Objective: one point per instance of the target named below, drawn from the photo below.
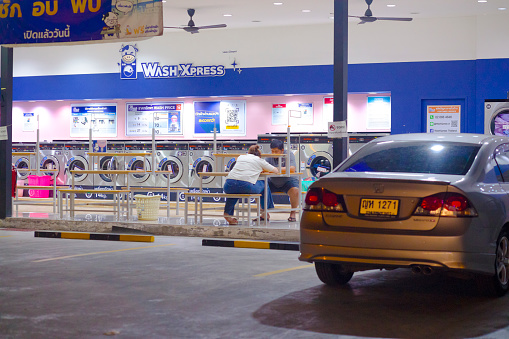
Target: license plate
(384, 208)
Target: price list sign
(165, 118)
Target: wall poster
(227, 117)
(328, 110)
(279, 114)
(306, 116)
(379, 113)
(164, 117)
(443, 119)
(102, 118)
(29, 122)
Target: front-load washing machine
(76, 158)
(496, 117)
(233, 147)
(139, 163)
(315, 155)
(201, 159)
(357, 140)
(111, 162)
(51, 156)
(264, 141)
(173, 157)
(25, 161)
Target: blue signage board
(206, 115)
(54, 21)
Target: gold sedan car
(427, 202)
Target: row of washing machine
(183, 159)
(313, 152)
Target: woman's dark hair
(255, 149)
(276, 143)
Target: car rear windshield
(413, 157)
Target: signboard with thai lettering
(59, 21)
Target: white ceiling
(259, 13)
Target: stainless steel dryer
(51, 156)
(76, 158)
(109, 162)
(202, 160)
(357, 140)
(23, 162)
(138, 162)
(264, 141)
(496, 117)
(173, 157)
(315, 155)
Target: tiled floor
(44, 210)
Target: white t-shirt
(248, 168)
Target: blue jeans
(232, 186)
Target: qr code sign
(232, 115)
(454, 123)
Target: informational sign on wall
(379, 113)
(443, 119)
(36, 22)
(29, 122)
(279, 114)
(227, 117)
(306, 114)
(233, 117)
(102, 118)
(328, 110)
(164, 117)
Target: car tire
(332, 274)
(498, 284)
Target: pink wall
(54, 117)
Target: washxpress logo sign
(154, 70)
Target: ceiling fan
(368, 16)
(192, 28)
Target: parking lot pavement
(177, 288)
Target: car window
(502, 159)
(413, 157)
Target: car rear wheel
(332, 274)
(498, 284)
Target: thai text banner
(60, 21)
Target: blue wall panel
(410, 84)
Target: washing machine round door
(139, 164)
(231, 163)
(108, 164)
(50, 162)
(174, 166)
(78, 163)
(205, 165)
(319, 164)
(500, 123)
(22, 163)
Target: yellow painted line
(94, 253)
(130, 237)
(5, 236)
(251, 244)
(283, 270)
(83, 236)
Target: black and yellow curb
(287, 246)
(94, 236)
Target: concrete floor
(176, 288)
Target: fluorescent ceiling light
(227, 15)
(391, 5)
(278, 3)
(306, 10)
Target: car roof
(468, 138)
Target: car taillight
(320, 199)
(445, 205)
